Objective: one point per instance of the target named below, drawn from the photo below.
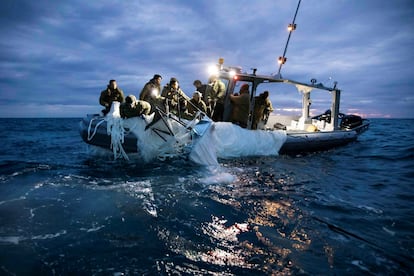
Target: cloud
(62, 54)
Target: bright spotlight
(212, 70)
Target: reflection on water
(265, 242)
(346, 211)
(220, 246)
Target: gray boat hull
(93, 130)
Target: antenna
(291, 28)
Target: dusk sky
(56, 56)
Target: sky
(57, 56)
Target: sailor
(133, 108)
(202, 88)
(206, 92)
(241, 106)
(268, 106)
(175, 98)
(259, 107)
(111, 94)
(216, 91)
(196, 104)
(262, 109)
(151, 91)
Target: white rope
(115, 128)
(90, 137)
(156, 143)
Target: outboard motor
(351, 121)
(324, 116)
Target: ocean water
(346, 211)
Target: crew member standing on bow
(111, 94)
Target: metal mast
(291, 28)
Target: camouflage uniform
(268, 108)
(110, 95)
(151, 94)
(259, 107)
(195, 106)
(150, 91)
(175, 97)
(173, 94)
(241, 107)
(216, 93)
(133, 108)
(262, 108)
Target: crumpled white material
(226, 140)
(218, 139)
(115, 128)
(233, 141)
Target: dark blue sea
(63, 211)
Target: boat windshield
(239, 84)
(226, 82)
(286, 99)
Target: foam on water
(223, 178)
(141, 190)
(11, 239)
(17, 239)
